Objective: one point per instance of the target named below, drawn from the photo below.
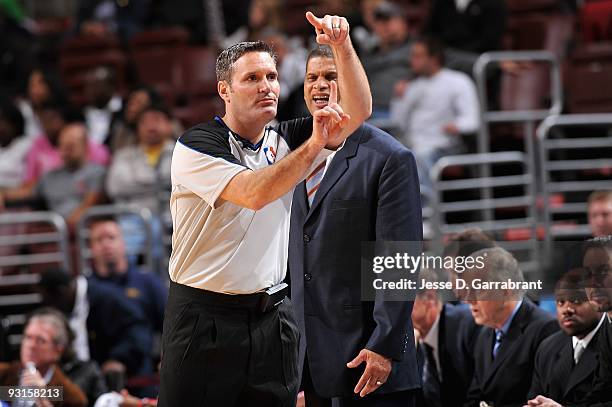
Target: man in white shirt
(104, 102)
(435, 109)
(229, 337)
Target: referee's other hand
(330, 30)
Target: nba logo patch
(270, 154)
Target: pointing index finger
(314, 20)
(333, 92)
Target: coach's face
(253, 91)
(320, 72)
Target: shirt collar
(508, 322)
(245, 143)
(587, 339)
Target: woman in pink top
(44, 156)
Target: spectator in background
(468, 28)
(85, 374)
(139, 173)
(43, 86)
(447, 338)
(111, 264)
(600, 213)
(44, 155)
(386, 63)
(106, 17)
(262, 14)
(123, 126)
(45, 339)
(290, 62)
(16, 53)
(107, 327)
(140, 176)
(14, 146)
(513, 329)
(75, 186)
(566, 361)
(103, 102)
(464, 244)
(434, 110)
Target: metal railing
(529, 118)
(570, 168)
(58, 234)
(522, 197)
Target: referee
(229, 337)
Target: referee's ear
(223, 88)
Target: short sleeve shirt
(223, 247)
(64, 190)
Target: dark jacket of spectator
(477, 29)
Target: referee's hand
(330, 30)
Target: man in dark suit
(597, 261)
(447, 334)
(367, 191)
(566, 361)
(108, 328)
(514, 328)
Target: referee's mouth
(267, 101)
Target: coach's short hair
(227, 57)
(320, 51)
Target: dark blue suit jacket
(117, 329)
(505, 381)
(370, 192)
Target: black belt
(263, 301)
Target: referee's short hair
(227, 57)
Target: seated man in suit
(566, 361)
(513, 329)
(597, 261)
(45, 339)
(107, 328)
(447, 335)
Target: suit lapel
(336, 169)
(587, 364)
(564, 365)
(301, 201)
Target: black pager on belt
(273, 297)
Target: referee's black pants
(222, 351)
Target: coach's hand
(330, 30)
(329, 122)
(376, 373)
